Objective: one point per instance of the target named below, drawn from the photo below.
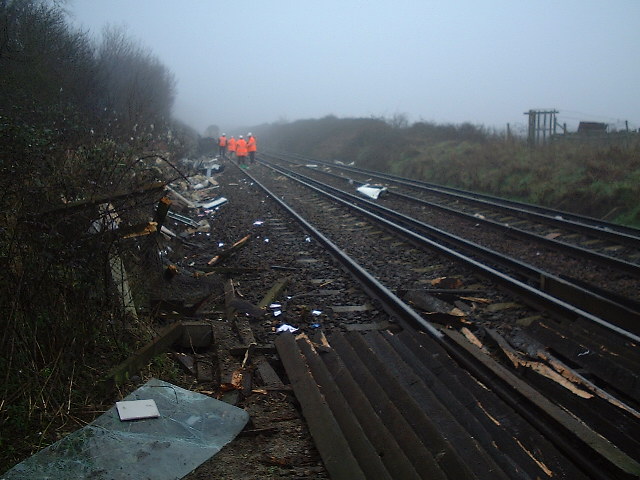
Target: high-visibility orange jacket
(251, 144)
(222, 142)
(241, 147)
(231, 144)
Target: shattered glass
(191, 428)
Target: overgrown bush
(70, 143)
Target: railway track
(607, 243)
(503, 337)
(586, 269)
(595, 228)
(449, 369)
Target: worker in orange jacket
(251, 147)
(241, 151)
(222, 145)
(231, 146)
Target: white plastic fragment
(214, 203)
(371, 191)
(286, 328)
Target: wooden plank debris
(196, 335)
(270, 379)
(187, 362)
(205, 370)
(350, 308)
(579, 429)
(139, 230)
(360, 327)
(498, 307)
(518, 360)
(274, 292)
(230, 251)
(207, 271)
(161, 211)
(573, 376)
(180, 198)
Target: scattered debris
(552, 236)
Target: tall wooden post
(542, 126)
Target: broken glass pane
(191, 428)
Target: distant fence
(624, 139)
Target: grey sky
(447, 61)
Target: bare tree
(139, 89)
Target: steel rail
(584, 456)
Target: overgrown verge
(75, 158)
(61, 300)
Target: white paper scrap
(137, 409)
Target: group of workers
(241, 148)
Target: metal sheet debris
(371, 190)
(214, 203)
(191, 428)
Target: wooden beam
(138, 360)
(230, 251)
(274, 292)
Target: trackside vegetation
(78, 121)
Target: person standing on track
(222, 146)
(231, 147)
(241, 151)
(251, 147)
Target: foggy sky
(447, 61)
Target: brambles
(66, 141)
